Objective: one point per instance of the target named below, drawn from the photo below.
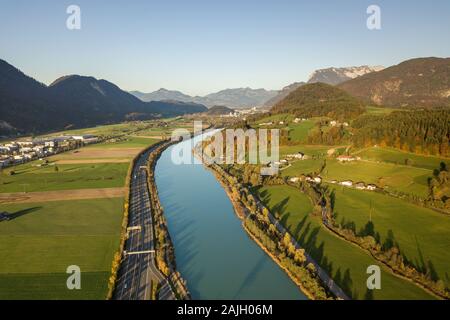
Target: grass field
(75, 176)
(422, 234)
(345, 262)
(310, 150)
(400, 157)
(299, 131)
(379, 110)
(302, 167)
(130, 142)
(43, 239)
(406, 179)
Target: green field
(422, 234)
(43, 239)
(345, 262)
(400, 157)
(302, 167)
(310, 150)
(299, 131)
(406, 179)
(30, 178)
(379, 110)
(130, 142)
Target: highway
(138, 267)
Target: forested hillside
(425, 132)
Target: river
(213, 252)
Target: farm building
(4, 216)
(344, 158)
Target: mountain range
(422, 82)
(332, 76)
(28, 106)
(336, 76)
(233, 98)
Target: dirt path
(60, 195)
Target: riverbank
(165, 256)
(243, 213)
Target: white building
(347, 183)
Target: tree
(299, 256)
(287, 240)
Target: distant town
(21, 151)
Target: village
(21, 151)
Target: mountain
(335, 76)
(219, 110)
(238, 98)
(320, 99)
(422, 82)
(283, 93)
(28, 106)
(233, 98)
(162, 94)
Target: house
(347, 183)
(4, 216)
(343, 158)
(371, 187)
(4, 163)
(294, 179)
(86, 138)
(333, 181)
(299, 155)
(314, 180)
(333, 123)
(360, 186)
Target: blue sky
(201, 46)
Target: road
(138, 268)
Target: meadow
(29, 178)
(406, 179)
(43, 239)
(421, 234)
(345, 262)
(390, 155)
(299, 131)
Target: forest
(423, 132)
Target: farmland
(43, 239)
(344, 262)
(421, 234)
(410, 180)
(70, 214)
(69, 176)
(400, 157)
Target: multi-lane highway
(138, 269)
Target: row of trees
(280, 245)
(439, 188)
